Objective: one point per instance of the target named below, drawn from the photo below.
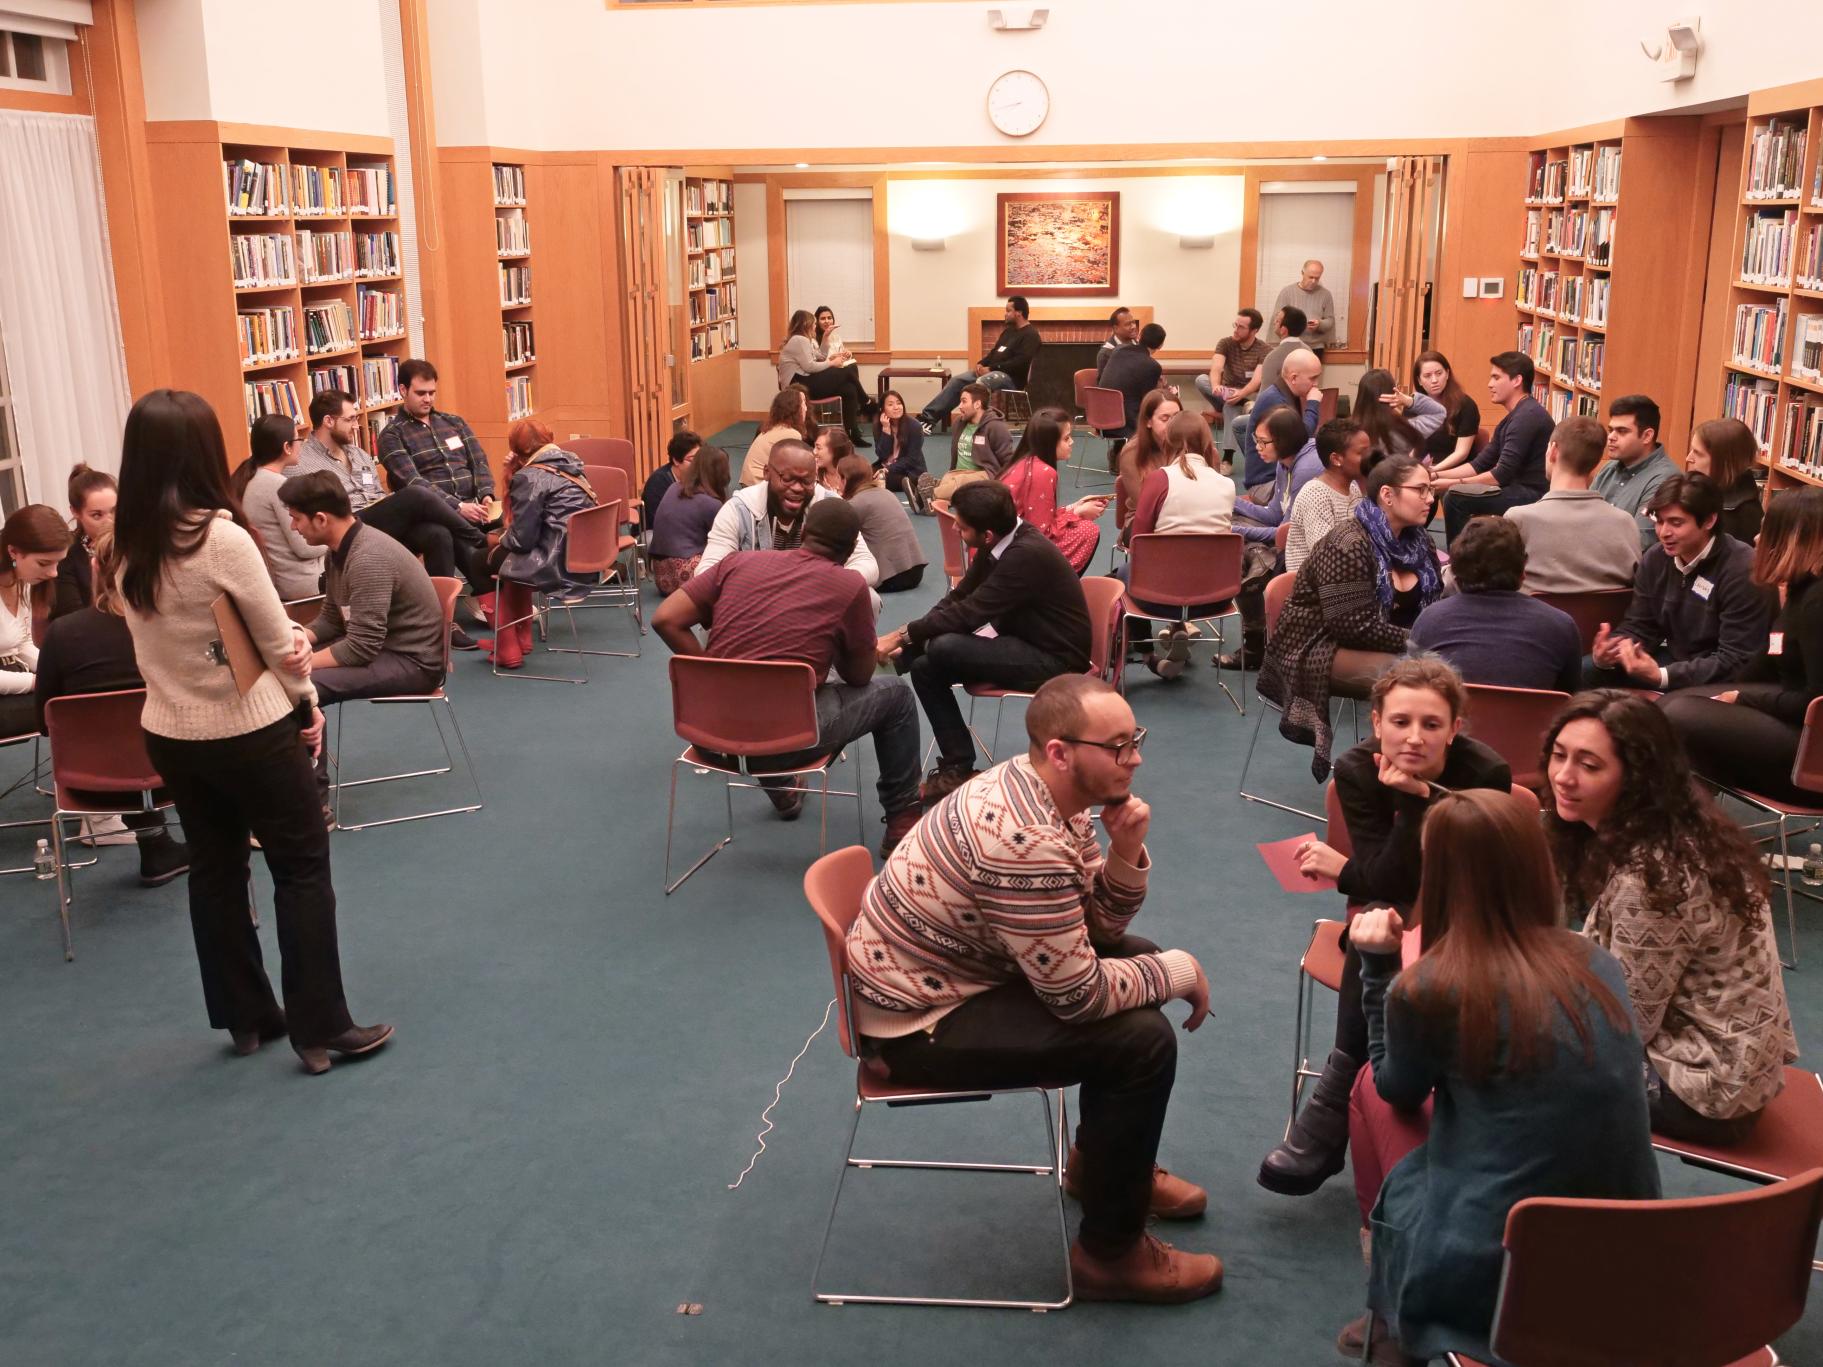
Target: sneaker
(787, 802)
(928, 428)
(1151, 1271)
(1173, 1198)
(898, 825)
(1177, 655)
(927, 490)
(461, 640)
(942, 781)
(105, 830)
(161, 859)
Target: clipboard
(236, 649)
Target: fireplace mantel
(1055, 323)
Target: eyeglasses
(1124, 751)
(806, 480)
(1424, 489)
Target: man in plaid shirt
(441, 452)
(438, 449)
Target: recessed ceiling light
(1319, 157)
(803, 166)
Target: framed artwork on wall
(1053, 244)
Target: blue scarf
(1409, 550)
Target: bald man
(1299, 384)
(1309, 293)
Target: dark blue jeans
(938, 409)
(961, 658)
(881, 708)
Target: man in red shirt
(806, 605)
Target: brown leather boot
(1173, 1198)
(351, 1043)
(1151, 1271)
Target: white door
(1300, 220)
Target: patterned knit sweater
(1706, 989)
(992, 885)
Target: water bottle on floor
(1812, 872)
(44, 863)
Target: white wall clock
(1018, 102)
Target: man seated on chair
(771, 515)
(992, 951)
(1021, 587)
(381, 629)
(805, 604)
(1575, 540)
(1696, 617)
(1298, 387)
(981, 448)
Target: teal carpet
(536, 1171)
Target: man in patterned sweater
(991, 951)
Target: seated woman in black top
(92, 497)
(1746, 736)
(1454, 442)
(1726, 450)
(899, 452)
(90, 650)
(1385, 787)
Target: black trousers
(962, 658)
(258, 784)
(1126, 1065)
(903, 580)
(1737, 745)
(839, 382)
(452, 546)
(18, 715)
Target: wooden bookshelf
(1602, 312)
(711, 298)
(289, 258)
(1772, 378)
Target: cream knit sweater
(188, 695)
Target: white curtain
(59, 322)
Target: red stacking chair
(1186, 570)
(733, 715)
(834, 886)
(1278, 592)
(1513, 723)
(1590, 610)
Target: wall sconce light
(1197, 242)
(929, 244)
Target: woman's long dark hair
(1042, 436)
(1452, 396)
(881, 425)
(820, 331)
(173, 479)
(269, 436)
(1389, 431)
(1660, 815)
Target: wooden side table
(887, 376)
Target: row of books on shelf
(1759, 335)
(381, 313)
(328, 326)
(267, 335)
(1546, 179)
(261, 397)
(1766, 246)
(1801, 437)
(263, 259)
(1588, 172)
(708, 197)
(515, 285)
(709, 234)
(374, 381)
(1563, 403)
(1753, 401)
(512, 237)
(518, 396)
(1775, 160)
(712, 305)
(1807, 347)
(1807, 267)
(332, 192)
(259, 188)
(712, 268)
(1536, 340)
(509, 185)
(516, 342)
(713, 341)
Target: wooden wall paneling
(1359, 294)
(109, 54)
(1715, 332)
(434, 284)
(471, 372)
(715, 393)
(647, 336)
(1479, 237)
(575, 310)
(1406, 245)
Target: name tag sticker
(999, 349)
(1702, 588)
(1775, 643)
(453, 443)
(368, 481)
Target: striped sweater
(993, 884)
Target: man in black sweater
(1697, 617)
(1007, 365)
(1509, 472)
(1021, 586)
(1135, 372)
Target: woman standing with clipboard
(233, 745)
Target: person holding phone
(1013, 967)
(237, 764)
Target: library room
(1403, 433)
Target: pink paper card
(1281, 859)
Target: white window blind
(829, 258)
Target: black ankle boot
(1318, 1143)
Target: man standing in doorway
(1312, 296)
(1007, 364)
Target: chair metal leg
(540, 614)
(1266, 706)
(448, 765)
(1791, 915)
(670, 821)
(63, 884)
